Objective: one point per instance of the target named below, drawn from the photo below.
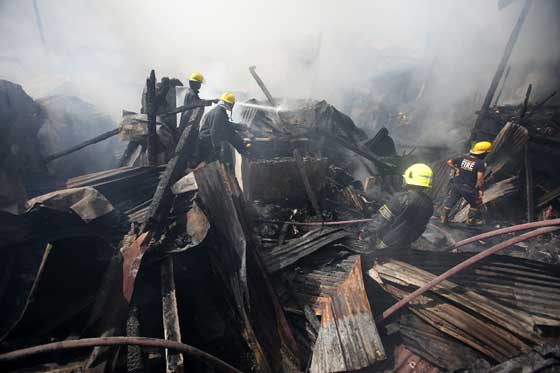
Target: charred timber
(152, 110)
(501, 67)
(95, 140)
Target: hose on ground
(113, 341)
(497, 232)
(459, 267)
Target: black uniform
(215, 129)
(193, 116)
(401, 221)
(464, 184)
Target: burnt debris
(158, 260)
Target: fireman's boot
(474, 217)
(444, 215)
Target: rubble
(255, 263)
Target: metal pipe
(498, 232)
(459, 267)
(114, 341)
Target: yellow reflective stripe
(385, 212)
(381, 245)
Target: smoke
(448, 51)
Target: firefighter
(468, 182)
(217, 129)
(193, 116)
(403, 219)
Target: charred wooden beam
(501, 67)
(134, 356)
(529, 185)
(506, 75)
(525, 104)
(180, 109)
(152, 111)
(527, 164)
(171, 328)
(259, 81)
(95, 140)
(538, 106)
(163, 197)
(378, 161)
(262, 86)
(306, 183)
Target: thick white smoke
(103, 50)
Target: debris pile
(241, 259)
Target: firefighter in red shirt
(468, 182)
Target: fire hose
(314, 223)
(465, 264)
(112, 341)
(497, 232)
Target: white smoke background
(348, 53)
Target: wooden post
(529, 186)
(171, 328)
(501, 67)
(503, 85)
(134, 356)
(529, 195)
(261, 85)
(152, 110)
(308, 189)
(525, 104)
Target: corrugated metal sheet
(531, 286)
(348, 339)
(129, 189)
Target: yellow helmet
(197, 77)
(228, 97)
(418, 174)
(481, 147)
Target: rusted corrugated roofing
(528, 285)
(333, 287)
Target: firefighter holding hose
(405, 216)
(192, 116)
(217, 130)
(468, 182)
